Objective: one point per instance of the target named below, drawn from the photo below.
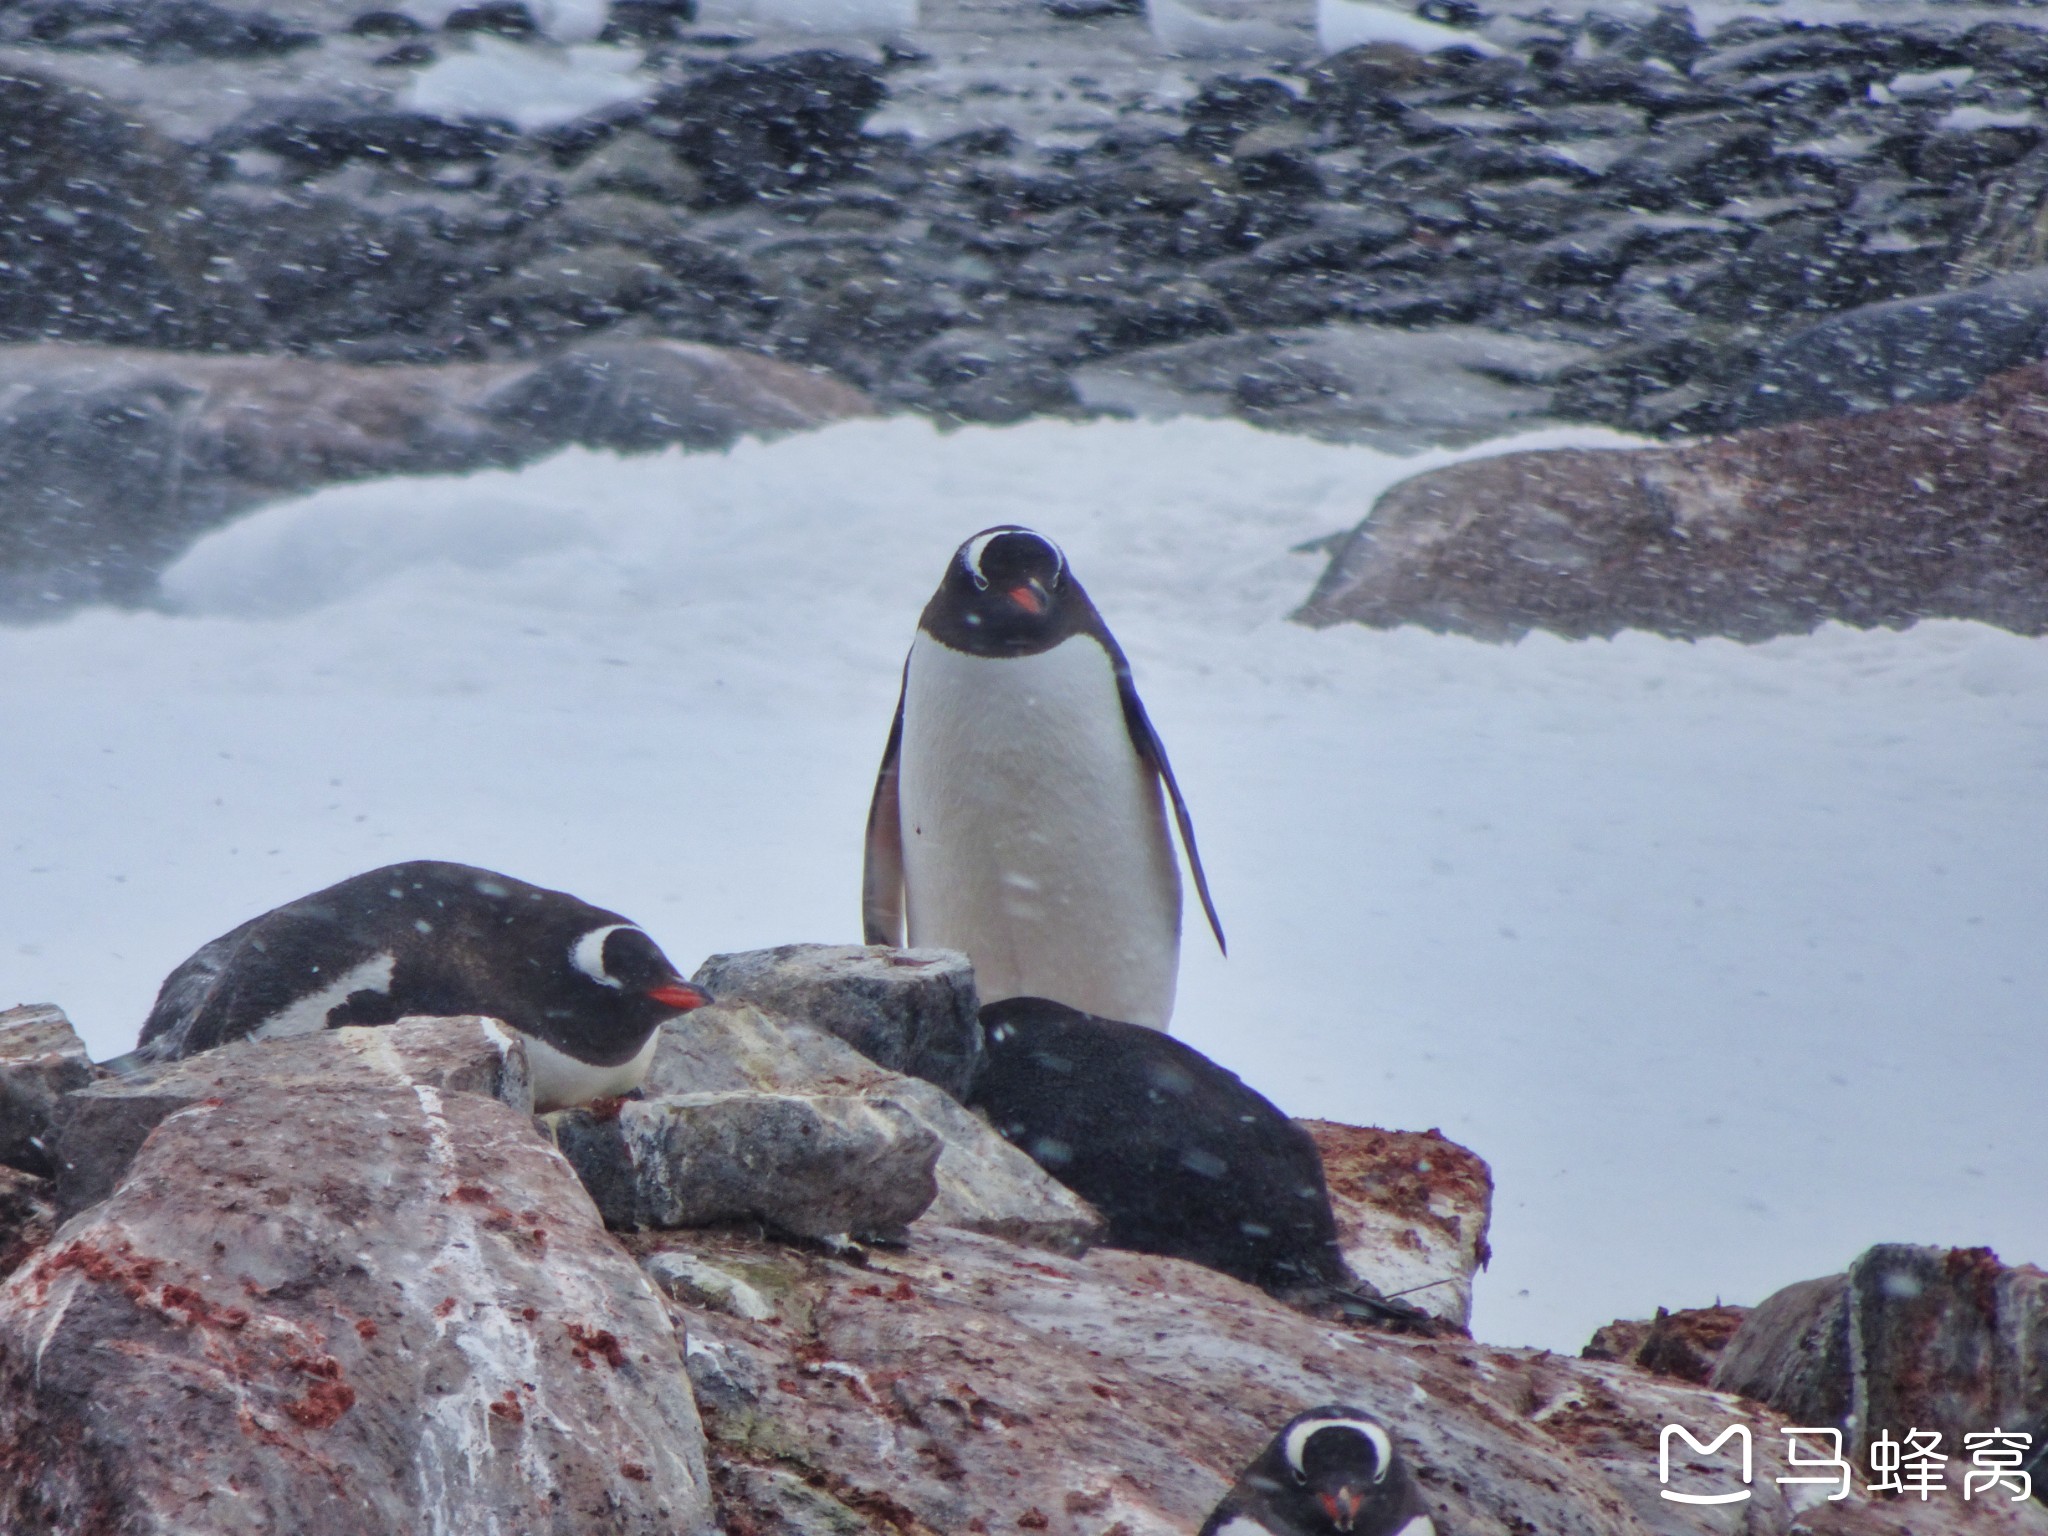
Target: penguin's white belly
(560, 1081)
(1034, 837)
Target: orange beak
(1029, 596)
(1342, 1506)
(679, 995)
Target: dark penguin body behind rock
(1180, 1157)
(1331, 1469)
(585, 986)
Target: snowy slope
(1728, 958)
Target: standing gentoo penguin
(585, 987)
(1329, 1469)
(1018, 814)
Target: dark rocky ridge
(1667, 204)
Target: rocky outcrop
(1632, 209)
(113, 460)
(1412, 1211)
(343, 1300)
(1934, 511)
(914, 1011)
(41, 1060)
(343, 1285)
(1943, 1339)
(961, 1384)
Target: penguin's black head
(1338, 1469)
(619, 960)
(1007, 592)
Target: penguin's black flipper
(881, 884)
(1152, 752)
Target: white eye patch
(587, 954)
(978, 546)
(1298, 1438)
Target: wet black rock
(795, 120)
(1908, 351)
(155, 29)
(95, 235)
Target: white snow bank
(531, 86)
(1727, 957)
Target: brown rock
(1412, 1210)
(1684, 1345)
(350, 1309)
(1934, 511)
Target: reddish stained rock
(1683, 1345)
(1931, 511)
(1412, 1210)
(282, 1320)
(1122, 1393)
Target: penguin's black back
(458, 939)
(1179, 1156)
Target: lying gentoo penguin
(1017, 815)
(585, 986)
(1179, 1156)
(1331, 1469)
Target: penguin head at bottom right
(1331, 1469)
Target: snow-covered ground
(1730, 959)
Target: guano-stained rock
(354, 1308)
(911, 1010)
(963, 1384)
(100, 1128)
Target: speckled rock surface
(41, 1060)
(911, 1010)
(809, 1164)
(1943, 1339)
(984, 1183)
(966, 1385)
(352, 1309)
(100, 1128)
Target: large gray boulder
(347, 1305)
(753, 1115)
(911, 1010)
(1945, 1339)
(100, 1128)
(41, 1060)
